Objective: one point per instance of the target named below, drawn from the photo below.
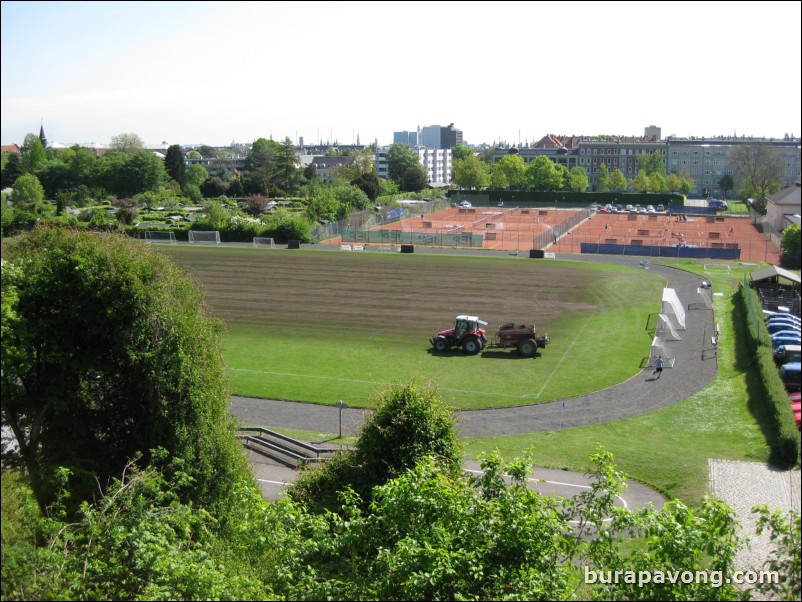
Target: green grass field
(668, 449)
(320, 326)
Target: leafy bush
(408, 423)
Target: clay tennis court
(521, 229)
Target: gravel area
(744, 485)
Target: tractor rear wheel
(471, 345)
(527, 347)
(441, 344)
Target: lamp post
(340, 405)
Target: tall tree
(641, 182)
(261, 165)
(12, 170)
(726, 183)
(602, 178)
(126, 143)
(108, 355)
(760, 168)
(543, 174)
(28, 193)
(470, 173)
(33, 153)
(286, 176)
(174, 164)
(461, 152)
(415, 178)
(400, 158)
(514, 169)
(617, 180)
(579, 181)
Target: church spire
(42, 137)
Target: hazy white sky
(217, 72)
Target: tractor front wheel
(471, 346)
(441, 344)
(527, 348)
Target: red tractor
(469, 334)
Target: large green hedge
(780, 426)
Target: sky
(221, 72)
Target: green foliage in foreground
(431, 533)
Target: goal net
(665, 329)
(673, 308)
(156, 236)
(264, 243)
(704, 298)
(210, 236)
(659, 349)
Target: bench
(359, 248)
(345, 247)
(549, 255)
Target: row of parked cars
(627, 208)
(786, 336)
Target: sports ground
(521, 229)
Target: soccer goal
(673, 308)
(264, 243)
(665, 329)
(717, 267)
(209, 236)
(659, 348)
(160, 236)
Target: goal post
(264, 243)
(204, 236)
(673, 308)
(665, 329)
(160, 236)
(659, 349)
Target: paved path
(694, 368)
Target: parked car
(777, 341)
(777, 327)
(788, 353)
(660, 208)
(784, 320)
(465, 204)
(791, 373)
(786, 332)
(719, 205)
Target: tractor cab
(468, 333)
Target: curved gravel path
(694, 368)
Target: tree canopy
(108, 355)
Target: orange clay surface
(516, 229)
